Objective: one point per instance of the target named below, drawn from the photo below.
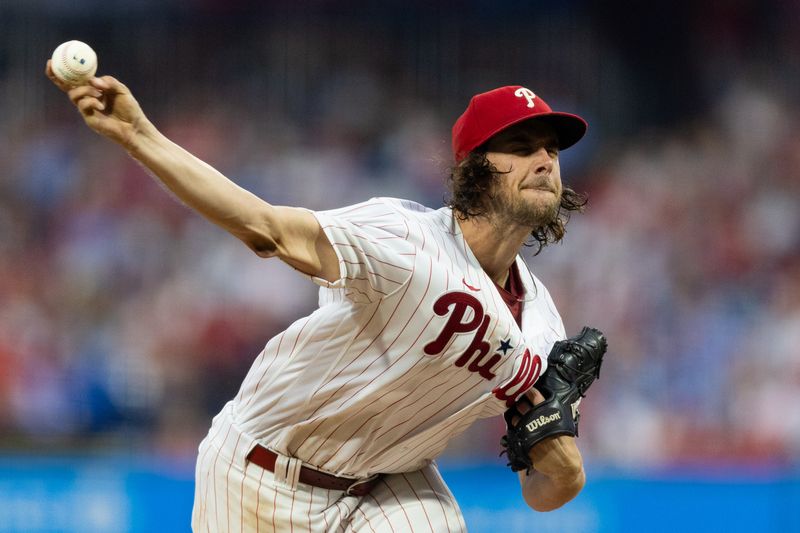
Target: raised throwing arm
(291, 234)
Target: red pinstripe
(259, 360)
(241, 501)
(410, 525)
(356, 289)
(348, 513)
(297, 337)
(291, 512)
(494, 296)
(424, 236)
(375, 273)
(310, 501)
(277, 351)
(384, 226)
(388, 522)
(393, 265)
(266, 369)
(369, 282)
(408, 230)
(227, 483)
(369, 238)
(359, 253)
(203, 510)
(436, 493)
(376, 260)
(258, 500)
(420, 501)
(356, 207)
(377, 276)
(214, 475)
(339, 510)
(360, 207)
(325, 513)
(366, 519)
(274, 506)
(201, 460)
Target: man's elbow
(261, 246)
(260, 237)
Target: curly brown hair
(471, 183)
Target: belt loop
(362, 487)
(287, 471)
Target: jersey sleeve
(370, 241)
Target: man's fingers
(535, 396)
(103, 84)
(89, 105)
(48, 71)
(526, 402)
(109, 83)
(77, 93)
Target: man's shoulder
(402, 205)
(384, 207)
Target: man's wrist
(143, 132)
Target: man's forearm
(557, 475)
(199, 185)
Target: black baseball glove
(573, 365)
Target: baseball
(74, 62)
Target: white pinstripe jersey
(406, 350)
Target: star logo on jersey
(505, 346)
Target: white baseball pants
(234, 495)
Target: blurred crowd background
(126, 321)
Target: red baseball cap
(491, 112)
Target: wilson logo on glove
(542, 421)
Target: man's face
(530, 193)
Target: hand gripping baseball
(573, 365)
(107, 106)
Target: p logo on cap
(527, 94)
(491, 112)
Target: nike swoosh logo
(470, 287)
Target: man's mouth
(539, 183)
(540, 187)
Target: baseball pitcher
(428, 319)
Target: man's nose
(543, 162)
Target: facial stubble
(514, 210)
